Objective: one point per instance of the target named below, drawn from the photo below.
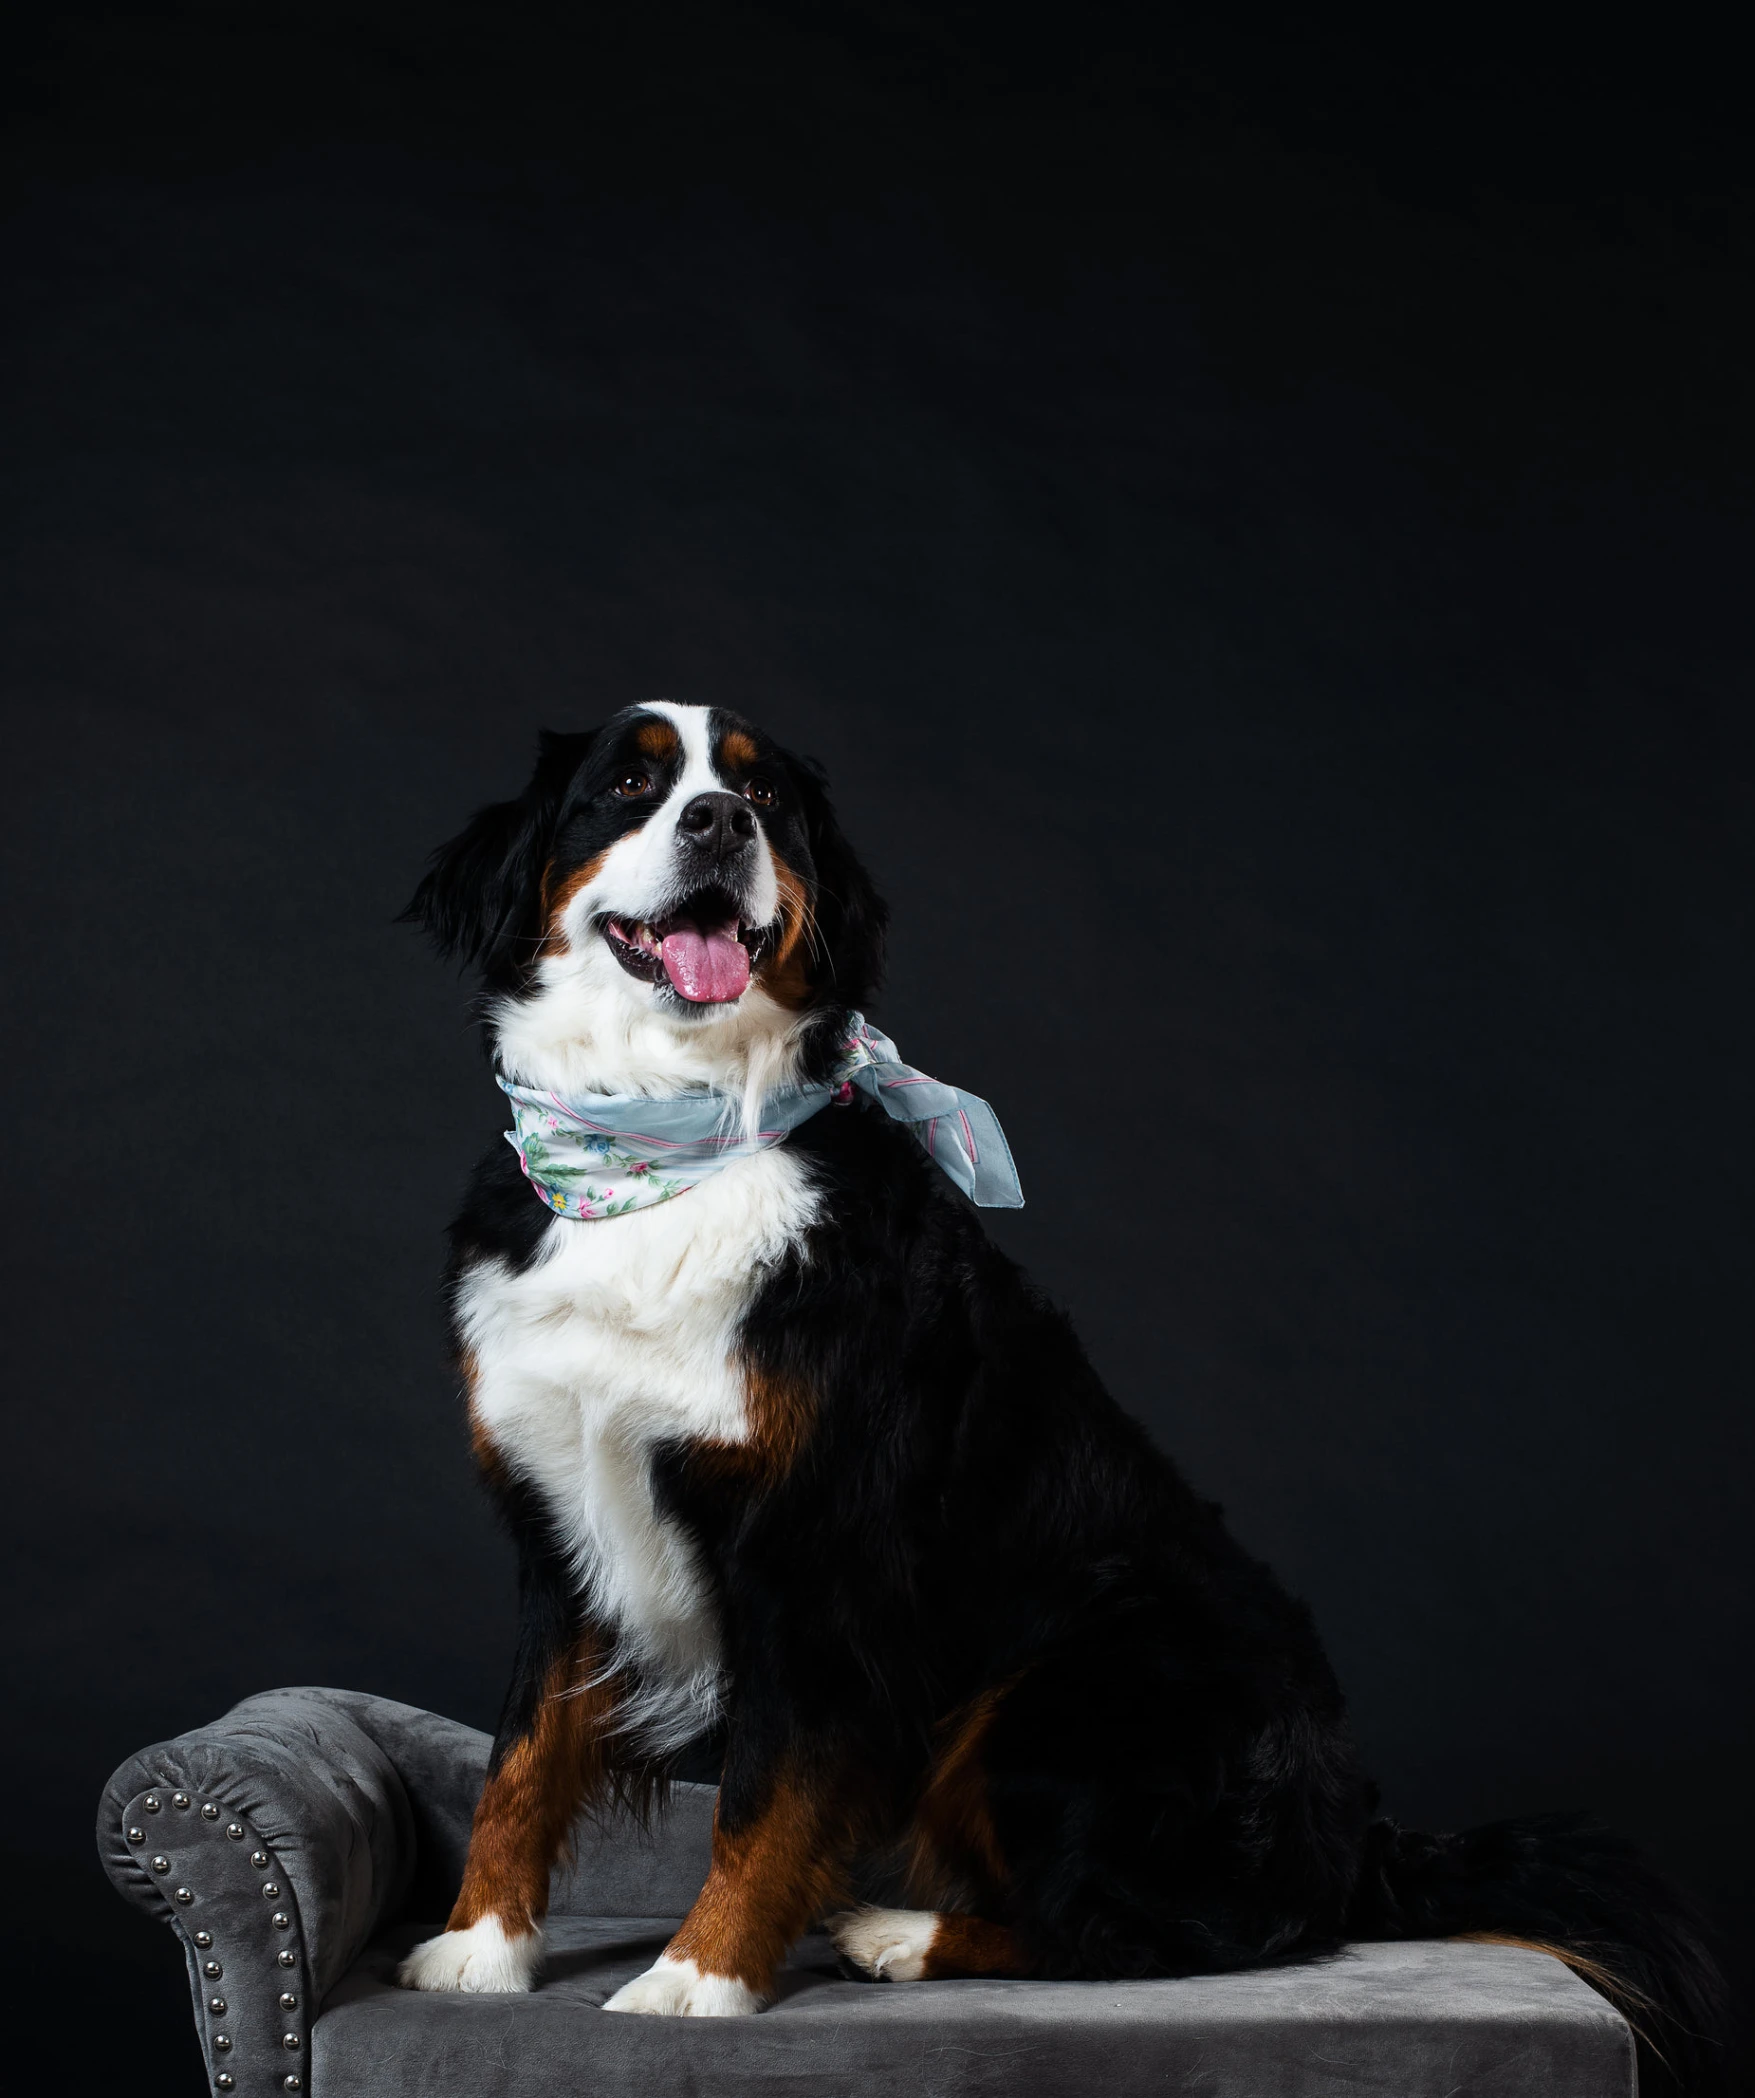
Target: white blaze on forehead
(638, 876)
(693, 724)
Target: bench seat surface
(1418, 2020)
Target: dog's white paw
(482, 1961)
(678, 1989)
(889, 1944)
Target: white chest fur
(621, 1336)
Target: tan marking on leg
(768, 1880)
(968, 1945)
(953, 1844)
(524, 1818)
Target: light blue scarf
(603, 1155)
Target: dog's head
(672, 874)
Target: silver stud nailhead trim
(222, 2042)
(291, 2083)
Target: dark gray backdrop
(1255, 526)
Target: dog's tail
(1562, 1884)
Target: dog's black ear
(852, 918)
(482, 895)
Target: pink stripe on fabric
(661, 1143)
(665, 1143)
(969, 1138)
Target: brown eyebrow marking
(737, 749)
(658, 739)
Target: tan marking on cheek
(785, 970)
(737, 750)
(525, 1815)
(767, 1882)
(558, 890)
(658, 740)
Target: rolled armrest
(274, 1842)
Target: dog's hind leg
(925, 1944)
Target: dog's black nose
(718, 824)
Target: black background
(1255, 520)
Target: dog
(796, 1452)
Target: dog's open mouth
(703, 948)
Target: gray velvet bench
(302, 1843)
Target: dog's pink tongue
(708, 967)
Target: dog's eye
(632, 785)
(761, 793)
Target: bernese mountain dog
(800, 1456)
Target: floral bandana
(605, 1154)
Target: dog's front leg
(547, 1761)
(780, 1842)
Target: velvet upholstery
(362, 1808)
(1397, 2021)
